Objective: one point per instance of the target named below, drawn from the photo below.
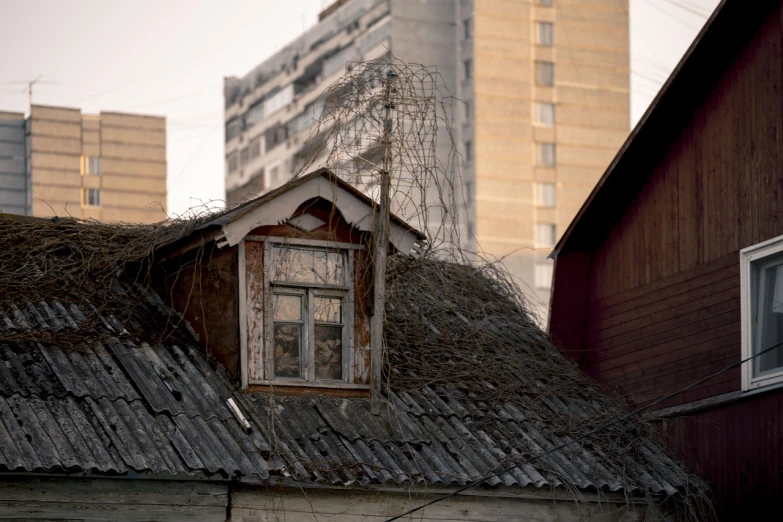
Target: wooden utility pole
(380, 250)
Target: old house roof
(125, 406)
(107, 397)
(99, 375)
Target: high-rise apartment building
(58, 161)
(545, 86)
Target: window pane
(545, 234)
(288, 342)
(545, 73)
(545, 154)
(545, 195)
(287, 307)
(297, 265)
(328, 352)
(546, 33)
(545, 113)
(327, 309)
(771, 316)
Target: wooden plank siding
(74, 498)
(738, 447)
(664, 296)
(701, 179)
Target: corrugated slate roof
(127, 406)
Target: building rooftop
(473, 386)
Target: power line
(195, 153)
(688, 7)
(585, 435)
(677, 19)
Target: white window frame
(752, 258)
(267, 355)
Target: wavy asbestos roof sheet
(127, 407)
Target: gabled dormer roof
(278, 205)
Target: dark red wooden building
(669, 272)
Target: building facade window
(467, 28)
(545, 34)
(545, 73)
(91, 165)
(761, 276)
(546, 2)
(542, 277)
(233, 128)
(468, 69)
(243, 155)
(91, 197)
(233, 162)
(254, 114)
(546, 195)
(546, 154)
(278, 100)
(255, 148)
(468, 110)
(546, 234)
(544, 113)
(468, 151)
(309, 314)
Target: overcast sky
(169, 57)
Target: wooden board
(111, 499)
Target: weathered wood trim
(354, 505)
(356, 212)
(243, 316)
(307, 242)
(256, 310)
(77, 498)
(353, 391)
(711, 402)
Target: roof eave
(651, 113)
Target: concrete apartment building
(546, 92)
(58, 161)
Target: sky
(169, 58)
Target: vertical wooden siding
(663, 306)
(739, 447)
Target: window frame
(86, 197)
(752, 259)
(346, 292)
(86, 164)
(540, 67)
(537, 239)
(539, 111)
(542, 157)
(543, 189)
(545, 29)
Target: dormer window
(305, 281)
(309, 290)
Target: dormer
(299, 306)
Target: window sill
(349, 391)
